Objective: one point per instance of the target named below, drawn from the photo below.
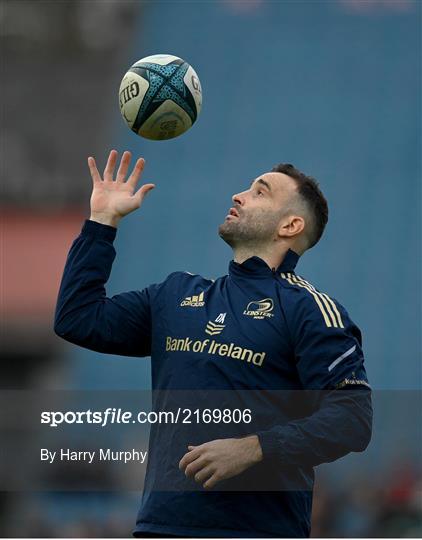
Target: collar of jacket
(256, 267)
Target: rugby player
(261, 328)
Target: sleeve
(84, 315)
(330, 363)
(328, 345)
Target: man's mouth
(233, 213)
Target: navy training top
(259, 338)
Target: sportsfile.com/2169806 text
(113, 415)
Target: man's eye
(260, 192)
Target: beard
(254, 229)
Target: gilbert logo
(260, 309)
(194, 301)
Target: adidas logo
(194, 301)
(214, 329)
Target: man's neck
(273, 257)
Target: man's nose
(238, 199)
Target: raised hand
(111, 198)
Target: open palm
(111, 198)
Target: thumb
(142, 192)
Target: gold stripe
(296, 279)
(339, 319)
(201, 296)
(330, 300)
(317, 300)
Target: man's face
(255, 216)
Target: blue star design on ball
(165, 82)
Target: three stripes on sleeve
(326, 305)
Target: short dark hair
(309, 191)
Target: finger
(204, 474)
(143, 192)
(211, 482)
(136, 173)
(109, 169)
(195, 466)
(95, 175)
(191, 448)
(188, 458)
(124, 166)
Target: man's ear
(291, 226)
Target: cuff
(99, 231)
(269, 443)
